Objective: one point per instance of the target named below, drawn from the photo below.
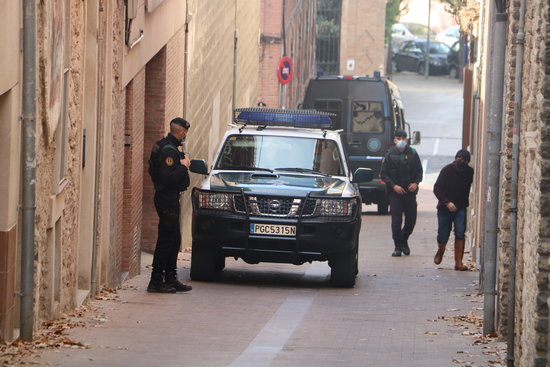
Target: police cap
(181, 122)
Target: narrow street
(402, 312)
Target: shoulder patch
(169, 161)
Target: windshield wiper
(248, 168)
(301, 170)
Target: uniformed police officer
(402, 171)
(168, 168)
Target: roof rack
(311, 119)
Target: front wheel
(204, 262)
(453, 72)
(344, 268)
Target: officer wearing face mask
(168, 168)
(402, 171)
(452, 189)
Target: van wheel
(383, 208)
(204, 262)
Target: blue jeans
(446, 219)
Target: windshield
(435, 47)
(293, 154)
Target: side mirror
(415, 139)
(362, 175)
(198, 166)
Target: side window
(333, 107)
(368, 117)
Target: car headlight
(217, 200)
(337, 207)
(437, 62)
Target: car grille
(267, 206)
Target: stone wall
(533, 233)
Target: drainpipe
(99, 143)
(188, 18)
(235, 39)
(494, 133)
(520, 40)
(29, 170)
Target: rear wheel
(204, 262)
(395, 66)
(344, 268)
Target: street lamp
(427, 52)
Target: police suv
(279, 191)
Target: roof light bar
(312, 119)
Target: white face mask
(401, 144)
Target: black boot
(397, 251)
(156, 284)
(171, 280)
(405, 244)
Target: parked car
(280, 190)
(453, 61)
(411, 57)
(449, 36)
(368, 110)
(409, 32)
(400, 33)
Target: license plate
(272, 229)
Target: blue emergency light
(311, 119)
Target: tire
(203, 262)
(421, 69)
(343, 269)
(220, 262)
(453, 72)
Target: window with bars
(328, 36)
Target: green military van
(368, 110)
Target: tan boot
(440, 252)
(459, 254)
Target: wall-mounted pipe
(29, 170)
(518, 84)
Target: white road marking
(436, 147)
(272, 338)
(424, 165)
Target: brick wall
(300, 47)
(154, 129)
(133, 174)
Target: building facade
(287, 29)
(110, 77)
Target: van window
(333, 107)
(368, 117)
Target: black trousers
(402, 205)
(167, 205)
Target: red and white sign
(284, 70)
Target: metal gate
(328, 36)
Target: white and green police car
(279, 191)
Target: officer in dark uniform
(402, 171)
(168, 168)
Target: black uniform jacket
(171, 175)
(401, 168)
